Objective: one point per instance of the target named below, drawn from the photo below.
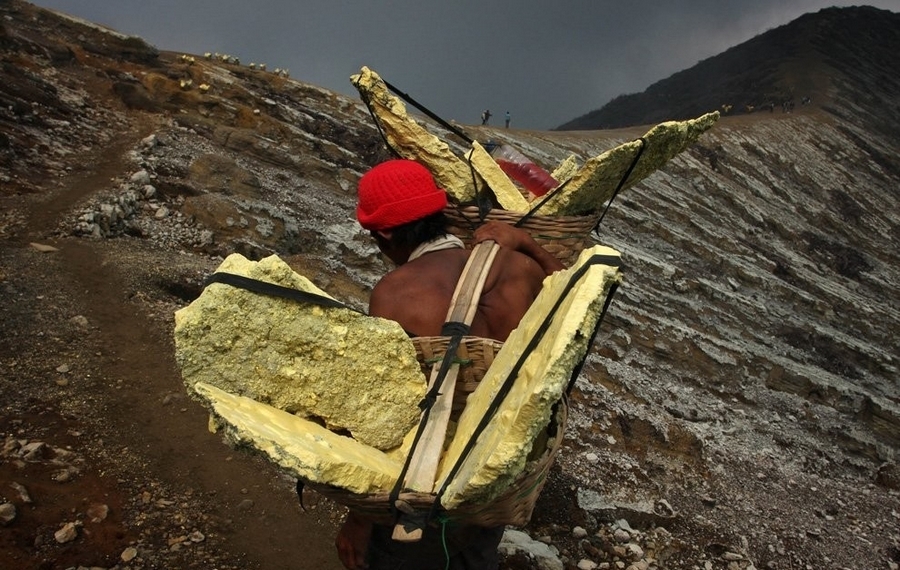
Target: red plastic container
(517, 166)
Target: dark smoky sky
(544, 62)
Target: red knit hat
(397, 192)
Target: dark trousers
(469, 547)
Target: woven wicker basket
(474, 355)
(512, 507)
(563, 236)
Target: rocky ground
(739, 409)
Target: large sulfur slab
(596, 181)
(347, 370)
(412, 141)
(298, 446)
(508, 195)
(502, 449)
(566, 169)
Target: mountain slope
(835, 52)
(740, 407)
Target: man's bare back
(428, 283)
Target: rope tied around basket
(456, 331)
(426, 406)
(421, 464)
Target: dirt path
(148, 454)
(174, 439)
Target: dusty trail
(136, 404)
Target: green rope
(444, 520)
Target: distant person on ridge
(485, 116)
(507, 119)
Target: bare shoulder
(518, 266)
(383, 302)
(417, 294)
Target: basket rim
(463, 209)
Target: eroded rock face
(349, 371)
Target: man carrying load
(401, 206)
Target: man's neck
(440, 243)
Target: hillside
(848, 53)
(740, 408)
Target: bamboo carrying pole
(426, 456)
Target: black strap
(622, 182)
(482, 199)
(455, 328)
(425, 405)
(446, 363)
(274, 290)
(453, 129)
(300, 484)
(543, 201)
(619, 187)
(506, 386)
(366, 100)
(483, 211)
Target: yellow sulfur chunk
(299, 446)
(412, 141)
(503, 447)
(347, 370)
(566, 169)
(596, 181)
(508, 195)
(253, 401)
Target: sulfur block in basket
(596, 181)
(307, 450)
(413, 141)
(507, 194)
(351, 372)
(503, 448)
(299, 446)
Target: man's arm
(517, 239)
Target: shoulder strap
(471, 283)
(422, 462)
